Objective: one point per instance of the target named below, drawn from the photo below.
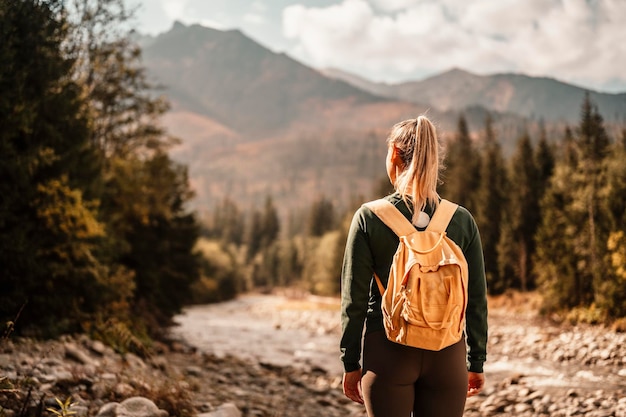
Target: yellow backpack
(426, 296)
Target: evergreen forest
(96, 233)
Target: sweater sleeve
(476, 316)
(355, 283)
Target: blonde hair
(419, 150)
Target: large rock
(108, 410)
(132, 407)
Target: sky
(582, 42)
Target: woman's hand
(475, 383)
(352, 386)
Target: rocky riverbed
(272, 356)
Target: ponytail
(418, 147)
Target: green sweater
(370, 248)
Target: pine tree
(491, 204)
(544, 160)
(593, 140)
(264, 229)
(575, 229)
(521, 219)
(161, 242)
(555, 260)
(568, 148)
(593, 145)
(255, 235)
(321, 217)
(610, 293)
(271, 223)
(461, 177)
(290, 268)
(228, 223)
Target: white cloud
(253, 18)
(174, 9)
(394, 5)
(346, 26)
(258, 6)
(215, 24)
(577, 40)
(256, 15)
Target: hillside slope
(255, 123)
(230, 78)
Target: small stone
(123, 389)
(46, 387)
(193, 370)
(98, 347)
(224, 410)
(8, 413)
(178, 347)
(134, 361)
(52, 362)
(107, 376)
(5, 361)
(63, 376)
(159, 362)
(77, 354)
(79, 410)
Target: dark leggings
(399, 380)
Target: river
(267, 328)
(304, 332)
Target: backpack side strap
(391, 216)
(379, 283)
(443, 215)
(394, 219)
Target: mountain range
(255, 123)
(530, 97)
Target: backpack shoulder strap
(391, 216)
(443, 215)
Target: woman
(398, 380)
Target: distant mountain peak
(453, 73)
(456, 71)
(178, 25)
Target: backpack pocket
(433, 305)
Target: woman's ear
(395, 157)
